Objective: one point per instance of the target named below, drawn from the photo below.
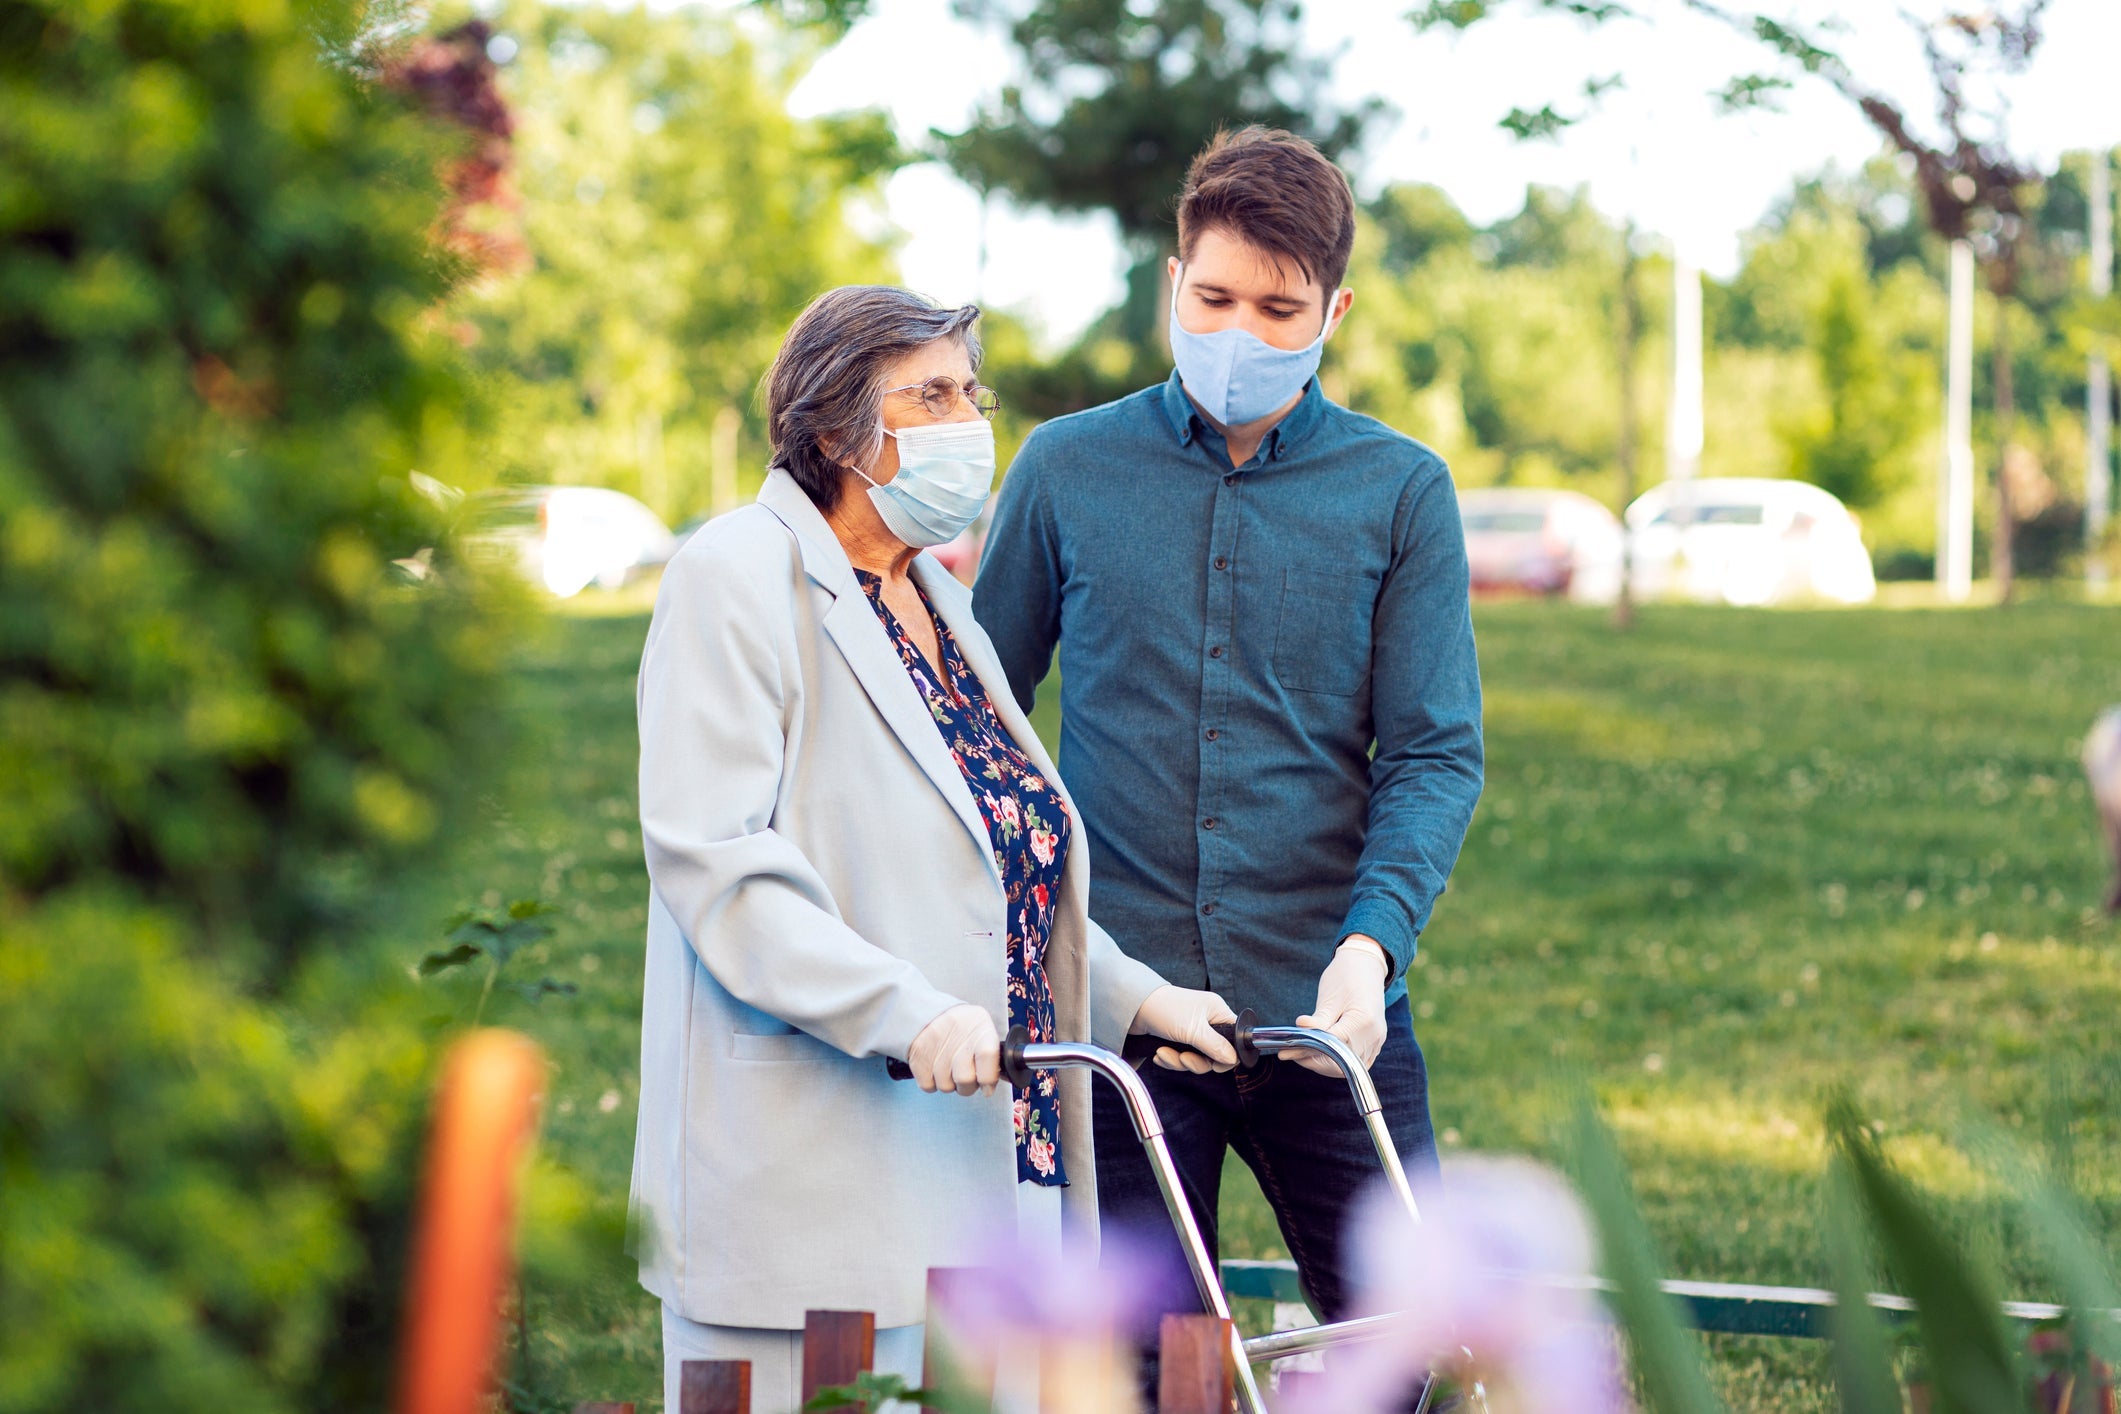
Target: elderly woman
(858, 849)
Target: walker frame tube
(1018, 1061)
(1274, 1040)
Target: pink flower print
(1042, 842)
(1022, 1112)
(1041, 1154)
(1009, 815)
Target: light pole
(2098, 386)
(1955, 491)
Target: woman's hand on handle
(959, 1051)
(1187, 1017)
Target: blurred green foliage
(231, 736)
(678, 221)
(1500, 346)
(1116, 97)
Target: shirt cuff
(1386, 922)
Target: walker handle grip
(1140, 1050)
(1013, 1069)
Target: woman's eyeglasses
(939, 395)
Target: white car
(1749, 542)
(1535, 541)
(567, 538)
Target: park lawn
(1726, 864)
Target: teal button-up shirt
(1270, 702)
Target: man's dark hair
(1274, 190)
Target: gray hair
(826, 387)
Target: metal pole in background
(2099, 388)
(1684, 422)
(1955, 499)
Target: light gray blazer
(822, 887)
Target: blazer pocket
(780, 1048)
(1323, 641)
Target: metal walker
(1253, 1043)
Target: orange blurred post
(463, 1246)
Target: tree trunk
(1630, 347)
(2002, 562)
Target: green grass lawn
(1724, 865)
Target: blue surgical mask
(945, 470)
(1236, 376)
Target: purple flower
(1021, 1287)
(1494, 1285)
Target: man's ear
(1337, 312)
(1172, 265)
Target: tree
(1972, 187)
(678, 220)
(1116, 98)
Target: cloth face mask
(945, 470)
(1236, 376)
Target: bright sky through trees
(1658, 151)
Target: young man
(1270, 707)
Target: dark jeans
(1300, 1134)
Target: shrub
(230, 735)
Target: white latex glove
(957, 1051)
(1187, 1017)
(1351, 1003)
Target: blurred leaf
(1448, 14)
(1528, 126)
(456, 957)
(1965, 1343)
(501, 935)
(1750, 91)
(833, 17)
(1863, 1361)
(1793, 43)
(544, 987)
(2068, 1239)
(873, 1391)
(1667, 1359)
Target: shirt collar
(1289, 433)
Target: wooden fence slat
(714, 1387)
(837, 1346)
(1195, 1375)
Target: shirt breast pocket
(1323, 641)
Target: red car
(1533, 541)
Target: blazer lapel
(852, 625)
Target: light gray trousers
(776, 1356)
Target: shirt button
(1213, 734)
(1209, 823)
(1230, 480)
(1216, 651)
(1221, 563)
(1207, 909)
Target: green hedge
(231, 735)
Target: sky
(1656, 149)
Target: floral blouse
(1028, 826)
